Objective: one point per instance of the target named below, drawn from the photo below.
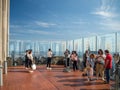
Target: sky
(63, 19)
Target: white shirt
(30, 56)
(49, 54)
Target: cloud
(105, 14)
(52, 13)
(106, 9)
(19, 26)
(13, 34)
(25, 29)
(110, 25)
(88, 33)
(45, 24)
(109, 21)
(39, 32)
(36, 32)
(14, 26)
(43, 32)
(80, 22)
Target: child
(89, 67)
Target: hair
(74, 52)
(100, 51)
(106, 51)
(92, 55)
(26, 51)
(30, 51)
(86, 51)
(49, 49)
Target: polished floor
(18, 78)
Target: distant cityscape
(40, 48)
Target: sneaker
(88, 79)
(105, 82)
(103, 79)
(30, 71)
(83, 74)
(91, 79)
(50, 68)
(97, 78)
(47, 67)
(26, 68)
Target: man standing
(67, 61)
(108, 66)
(49, 57)
(85, 57)
(67, 57)
(26, 59)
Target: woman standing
(74, 59)
(100, 64)
(30, 60)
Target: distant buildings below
(39, 48)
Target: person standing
(30, 60)
(49, 57)
(74, 58)
(26, 60)
(67, 57)
(100, 61)
(85, 56)
(108, 66)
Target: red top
(109, 59)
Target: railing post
(1, 76)
(5, 67)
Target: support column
(83, 51)
(8, 23)
(0, 32)
(5, 23)
(96, 43)
(1, 77)
(116, 42)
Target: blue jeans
(49, 62)
(75, 65)
(107, 72)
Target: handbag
(33, 67)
